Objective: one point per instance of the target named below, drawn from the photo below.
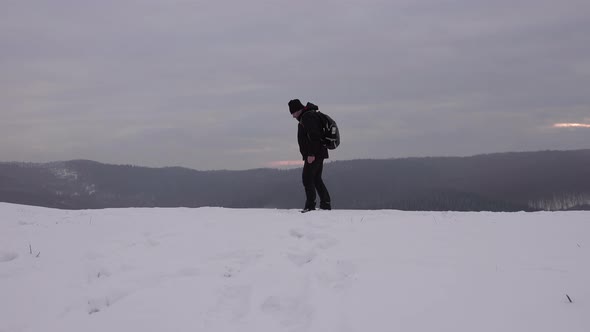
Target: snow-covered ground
(214, 269)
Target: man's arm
(313, 127)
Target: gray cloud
(204, 84)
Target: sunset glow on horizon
(571, 125)
(285, 163)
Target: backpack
(330, 131)
(331, 138)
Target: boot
(308, 207)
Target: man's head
(295, 107)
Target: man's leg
(321, 187)
(309, 176)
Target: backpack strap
(302, 115)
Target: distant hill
(529, 181)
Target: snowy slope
(213, 269)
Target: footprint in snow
(232, 263)
(152, 243)
(233, 303)
(188, 272)
(98, 274)
(302, 259)
(337, 274)
(100, 303)
(291, 312)
(320, 240)
(296, 233)
(149, 240)
(7, 256)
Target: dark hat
(295, 105)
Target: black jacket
(309, 135)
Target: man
(309, 137)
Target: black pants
(312, 181)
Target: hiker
(309, 137)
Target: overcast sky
(205, 84)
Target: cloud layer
(205, 84)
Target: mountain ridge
(511, 181)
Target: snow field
(214, 269)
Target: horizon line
(288, 164)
